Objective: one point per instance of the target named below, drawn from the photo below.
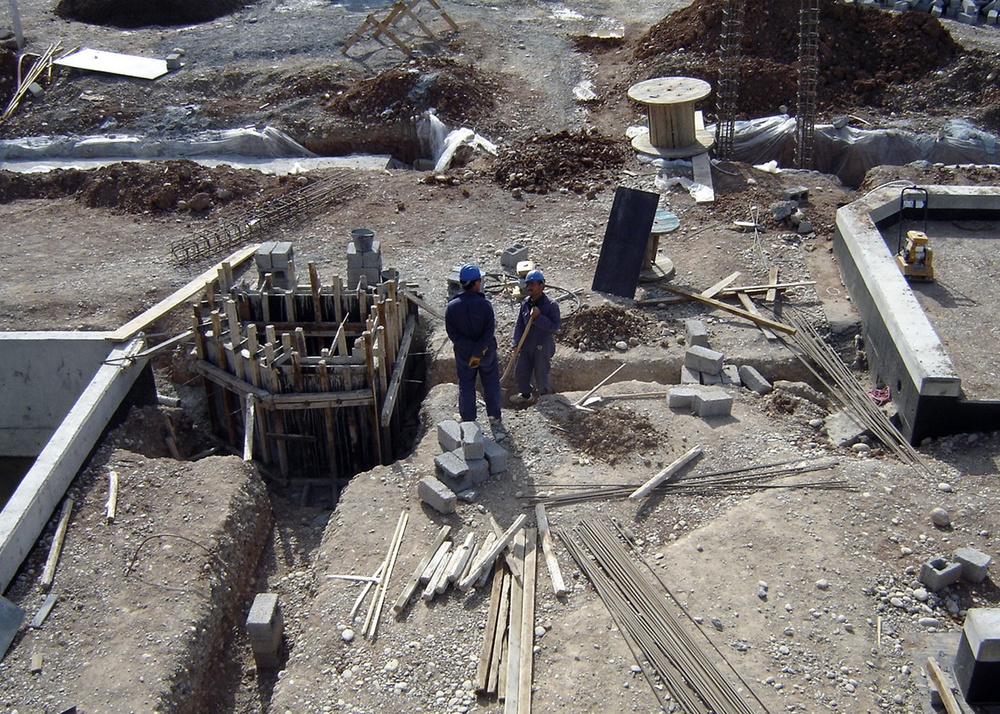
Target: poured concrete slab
(42, 488)
(904, 350)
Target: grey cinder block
(682, 397)
(975, 564)
(731, 375)
(712, 403)
(689, 376)
(695, 333)
(496, 455)
(449, 435)
(451, 464)
(938, 573)
(265, 627)
(437, 495)
(702, 359)
(752, 379)
(472, 440)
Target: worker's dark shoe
(520, 398)
(497, 427)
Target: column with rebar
(805, 116)
(730, 60)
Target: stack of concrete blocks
(265, 627)
(968, 563)
(364, 258)
(277, 260)
(977, 662)
(468, 459)
(703, 365)
(706, 403)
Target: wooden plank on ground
(756, 319)
(665, 474)
(508, 554)
(772, 277)
(49, 573)
(555, 574)
(497, 677)
(525, 668)
(411, 585)
(947, 696)
(715, 289)
(514, 632)
(702, 166)
(750, 307)
(489, 633)
(179, 296)
(485, 559)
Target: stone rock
(940, 518)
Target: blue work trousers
(534, 366)
(489, 376)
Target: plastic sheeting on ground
(849, 153)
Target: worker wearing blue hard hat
(534, 339)
(471, 325)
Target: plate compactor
(916, 259)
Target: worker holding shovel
(534, 339)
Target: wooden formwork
(307, 378)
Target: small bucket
(363, 239)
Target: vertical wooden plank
(314, 288)
(525, 669)
(514, 633)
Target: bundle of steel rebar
(814, 352)
(663, 648)
(746, 478)
(295, 206)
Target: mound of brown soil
(578, 161)
(612, 432)
(138, 13)
(599, 328)
(862, 51)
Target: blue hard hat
(534, 275)
(469, 273)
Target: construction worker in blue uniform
(471, 325)
(537, 321)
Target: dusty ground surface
(89, 250)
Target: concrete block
(711, 379)
(478, 470)
(695, 333)
(355, 260)
(712, 403)
(265, 627)
(682, 397)
(702, 359)
(752, 379)
(975, 564)
(472, 440)
(437, 495)
(513, 255)
(977, 661)
(731, 375)
(901, 6)
(496, 455)
(991, 17)
(449, 435)
(799, 194)
(263, 256)
(843, 430)
(281, 255)
(451, 464)
(967, 18)
(173, 61)
(938, 573)
(689, 376)
(36, 91)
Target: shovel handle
(517, 350)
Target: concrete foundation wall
(904, 351)
(41, 376)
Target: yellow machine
(916, 259)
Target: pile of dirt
(139, 13)
(135, 187)
(578, 161)
(863, 51)
(459, 93)
(612, 432)
(602, 327)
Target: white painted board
(114, 63)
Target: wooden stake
(411, 585)
(49, 573)
(460, 559)
(440, 573)
(749, 306)
(555, 574)
(527, 622)
(248, 427)
(112, 494)
(486, 559)
(514, 633)
(947, 696)
(371, 623)
(665, 474)
(508, 553)
(487, 654)
(717, 288)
